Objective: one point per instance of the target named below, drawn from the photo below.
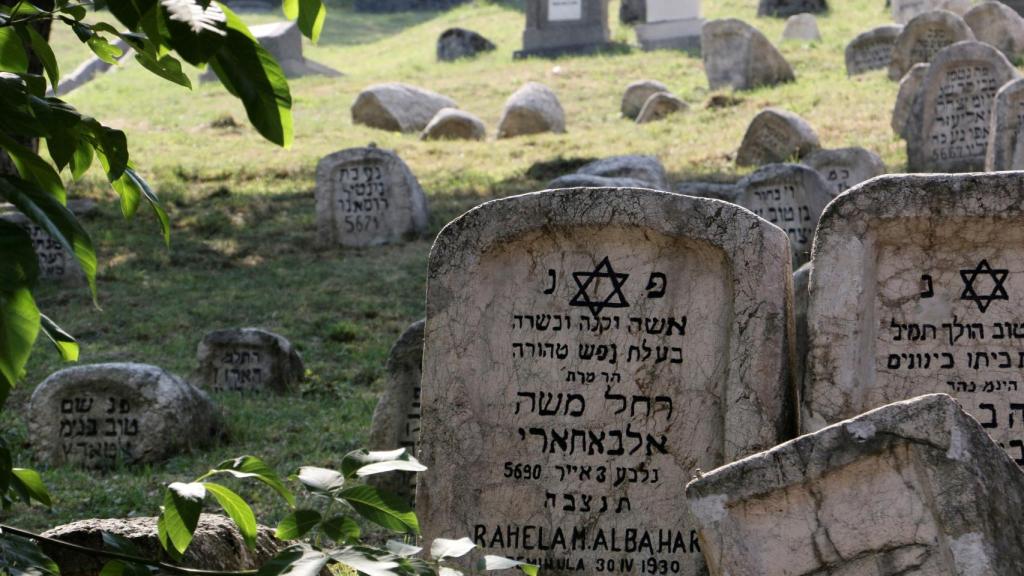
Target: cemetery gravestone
(997, 24)
(455, 43)
(948, 128)
(576, 180)
(97, 416)
(556, 27)
(532, 109)
(367, 197)
(738, 55)
(845, 167)
(585, 351)
(871, 50)
(801, 27)
(910, 85)
(672, 24)
(636, 96)
(786, 8)
(647, 169)
(923, 37)
(660, 106)
(776, 135)
(55, 263)
(801, 277)
(454, 124)
(903, 11)
(398, 107)
(716, 190)
(1005, 150)
(249, 360)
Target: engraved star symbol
(615, 299)
(970, 291)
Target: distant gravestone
(910, 85)
(390, 6)
(456, 43)
(249, 360)
(923, 37)
(903, 11)
(636, 96)
(632, 11)
(801, 27)
(929, 304)
(997, 24)
(786, 8)
(454, 124)
(647, 169)
(738, 55)
(367, 197)
(55, 263)
(575, 180)
(715, 190)
(949, 123)
(398, 107)
(790, 196)
(844, 168)
(871, 50)
(533, 109)
(556, 27)
(585, 351)
(284, 42)
(1005, 150)
(776, 135)
(101, 415)
(670, 24)
(660, 106)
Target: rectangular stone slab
(914, 488)
(585, 351)
(556, 27)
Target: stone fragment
(555, 329)
(646, 169)
(555, 27)
(845, 167)
(801, 27)
(454, 124)
(776, 135)
(591, 181)
(914, 487)
(1005, 149)
(738, 55)
(949, 123)
(456, 43)
(367, 197)
(792, 197)
(997, 24)
(249, 360)
(100, 415)
(636, 96)
(923, 37)
(871, 50)
(786, 8)
(714, 190)
(660, 106)
(532, 109)
(398, 107)
(670, 24)
(910, 85)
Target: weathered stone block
(660, 106)
(647, 169)
(844, 168)
(398, 107)
(738, 55)
(1005, 149)
(871, 50)
(555, 27)
(910, 85)
(776, 135)
(923, 37)
(802, 27)
(453, 124)
(997, 24)
(249, 360)
(532, 109)
(636, 96)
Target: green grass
(243, 250)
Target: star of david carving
(970, 292)
(614, 299)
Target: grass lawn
(243, 250)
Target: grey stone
(801, 278)
(391, 6)
(555, 27)
(911, 488)
(786, 8)
(714, 190)
(592, 181)
(646, 169)
(910, 85)
(632, 11)
(530, 297)
(904, 11)
(284, 42)
(368, 197)
(1005, 149)
(398, 107)
(102, 414)
(738, 55)
(671, 25)
(249, 360)
(636, 96)
(456, 43)
(532, 109)
(801, 27)
(871, 50)
(776, 135)
(55, 263)
(949, 123)
(999, 25)
(845, 167)
(454, 124)
(659, 106)
(923, 37)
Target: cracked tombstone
(913, 488)
(1005, 150)
(916, 289)
(576, 343)
(871, 50)
(249, 360)
(923, 37)
(367, 197)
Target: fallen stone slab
(776, 135)
(647, 169)
(738, 55)
(592, 181)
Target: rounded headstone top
(532, 109)
(660, 106)
(636, 96)
(997, 24)
(776, 135)
(249, 360)
(398, 107)
(801, 27)
(738, 55)
(454, 124)
(923, 37)
(646, 169)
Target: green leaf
(166, 67)
(76, 11)
(81, 159)
(489, 563)
(114, 145)
(122, 545)
(311, 16)
(19, 328)
(20, 266)
(131, 187)
(297, 560)
(13, 57)
(41, 48)
(296, 524)
(383, 509)
(65, 343)
(182, 505)
(103, 49)
(237, 510)
(442, 548)
(321, 480)
(32, 484)
(365, 463)
(253, 467)
(341, 529)
(22, 557)
(33, 168)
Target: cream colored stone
(660, 106)
(533, 109)
(776, 135)
(923, 37)
(801, 27)
(997, 24)
(398, 107)
(636, 95)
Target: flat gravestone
(249, 360)
(776, 135)
(556, 27)
(367, 197)
(737, 55)
(791, 196)
(586, 350)
(1005, 150)
(923, 37)
(948, 126)
(101, 415)
(916, 289)
(871, 50)
(844, 168)
(55, 263)
(914, 488)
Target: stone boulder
(636, 96)
(786, 8)
(454, 124)
(776, 135)
(997, 24)
(533, 109)
(871, 50)
(398, 107)
(660, 106)
(909, 87)
(249, 360)
(738, 55)
(803, 27)
(646, 169)
(923, 37)
(456, 43)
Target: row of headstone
(555, 27)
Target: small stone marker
(871, 50)
(99, 415)
(532, 109)
(844, 168)
(923, 37)
(790, 196)
(456, 43)
(660, 106)
(284, 42)
(910, 85)
(948, 126)
(647, 169)
(1005, 149)
(636, 96)
(454, 124)
(55, 263)
(801, 27)
(249, 360)
(776, 135)
(999, 25)
(585, 351)
(916, 289)
(911, 488)
(367, 197)
(738, 55)
(786, 8)
(670, 24)
(398, 107)
(556, 27)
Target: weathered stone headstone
(923, 37)
(636, 96)
(738, 55)
(556, 27)
(587, 350)
(647, 169)
(456, 43)
(911, 488)
(999, 25)
(398, 107)
(367, 197)
(801, 27)
(670, 24)
(910, 85)
(454, 124)
(792, 197)
(949, 122)
(786, 8)
(575, 180)
(776, 135)
(532, 109)
(845, 167)
(801, 278)
(284, 42)
(660, 106)
(99, 415)
(55, 263)
(904, 11)
(871, 50)
(249, 360)
(1005, 150)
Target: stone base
(670, 35)
(558, 40)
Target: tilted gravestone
(791, 196)
(533, 109)
(910, 85)
(923, 37)
(249, 360)
(398, 107)
(915, 290)
(100, 415)
(776, 135)
(948, 126)
(1005, 150)
(997, 24)
(637, 94)
(786, 8)
(845, 167)
(738, 55)
(585, 352)
(556, 27)
(871, 50)
(911, 488)
(55, 263)
(367, 197)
